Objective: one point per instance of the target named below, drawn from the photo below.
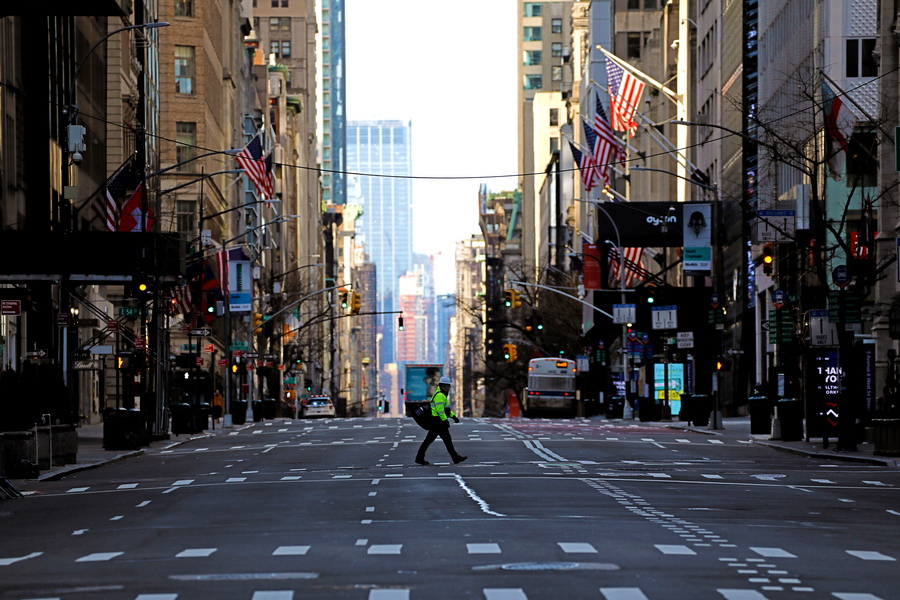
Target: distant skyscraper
(332, 112)
(383, 148)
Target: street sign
(199, 361)
(200, 332)
(238, 353)
(112, 325)
(11, 308)
(840, 276)
(210, 348)
(822, 332)
(140, 343)
(685, 339)
(129, 311)
(238, 346)
(222, 362)
(186, 328)
(251, 354)
(645, 338)
(100, 350)
(778, 298)
(271, 357)
(781, 327)
(714, 300)
(62, 319)
(845, 306)
(776, 225)
(665, 317)
(36, 354)
(623, 313)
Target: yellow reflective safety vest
(440, 406)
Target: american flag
(183, 304)
(607, 143)
(598, 169)
(624, 95)
(633, 266)
(584, 165)
(259, 168)
(107, 207)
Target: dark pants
(441, 429)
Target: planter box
(887, 436)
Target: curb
(885, 462)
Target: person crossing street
(441, 413)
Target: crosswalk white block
(623, 594)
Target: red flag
(132, 217)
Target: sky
(450, 69)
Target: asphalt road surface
(337, 509)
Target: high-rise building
(382, 150)
(332, 73)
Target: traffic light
(507, 352)
(651, 295)
(381, 406)
(123, 362)
(210, 303)
(723, 364)
(768, 259)
(257, 322)
(508, 295)
(399, 323)
(355, 303)
(308, 384)
(234, 368)
(529, 324)
(513, 354)
(345, 300)
(539, 322)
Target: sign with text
(665, 317)
(591, 268)
(623, 313)
(776, 225)
(697, 256)
(240, 286)
(11, 308)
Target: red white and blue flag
(607, 143)
(258, 167)
(597, 170)
(585, 165)
(625, 92)
(633, 266)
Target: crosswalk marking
(156, 597)
(384, 549)
(388, 594)
(864, 555)
(821, 481)
(675, 549)
(291, 551)
(235, 480)
(773, 553)
(716, 442)
(711, 476)
(78, 489)
(851, 596)
(127, 486)
(504, 594)
(184, 482)
(483, 548)
(577, 547)
(623, 594)
(280, 595)
(4, 562)
(99, 557)
(195, 553)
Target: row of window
(535, 57)
(275, 3)
(536, 34)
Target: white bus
(551, 387)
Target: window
(532, 9)
(284, 3)
(556, 49)
(184, 215)
(184, 69)
(275, 48)
(285, 50)
(860, 58)
(556, 26)
(554, 145)
(285, 23)
(554, 117)
(556, 73)
(862, 159)
(650, 4)
(533, 34)
(274, 3)
(184, 8)
(256, 24)
(633, 45)
(185, 143)
(533, 82)
(634, 4)
(532, 57)
(274, 23)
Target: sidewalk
(91, 453)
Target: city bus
(551, 388)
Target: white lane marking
(821, 480)
(851, 596)
(712, 476)
(373, 493)
(394, 474)
(683, 441)
(388, 594)
(483, 548)
(384, 549)
(291, 551)
(5, 562)
(623, 594)
(675, 549)
(362, 542)
(865, 555)
(848, 500)
(894, 512)
(235, 479)
(504, 594)
(78, 489)
(370, 509)
(741, 595)
(127, 486)
(184, 482)
(485, 507)
(280, 595)
(116, 518)
(291, 478)
(195, 553)
(142, 504)
(342, 476)
(156, 597)
(773, 553)
(577, 547)
(99, 557)
(716, 442)
(875, 483)
(249, 472)
(79, 531)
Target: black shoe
(459, 459)
(422, 461)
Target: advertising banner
(675, 373)
(697, 238)
(592, 267)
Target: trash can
(790, 414)
(615, 407)
(239, 412)
(122, 428)
(701, 407)
(760, 414)
(182, 418)
(650, 409)
(257, 411)
(201, 416)
(687, 404)
(268, 407)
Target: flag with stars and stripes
(258, 167)
(625, 92)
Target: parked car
(318, 406)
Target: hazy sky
(450, 69)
